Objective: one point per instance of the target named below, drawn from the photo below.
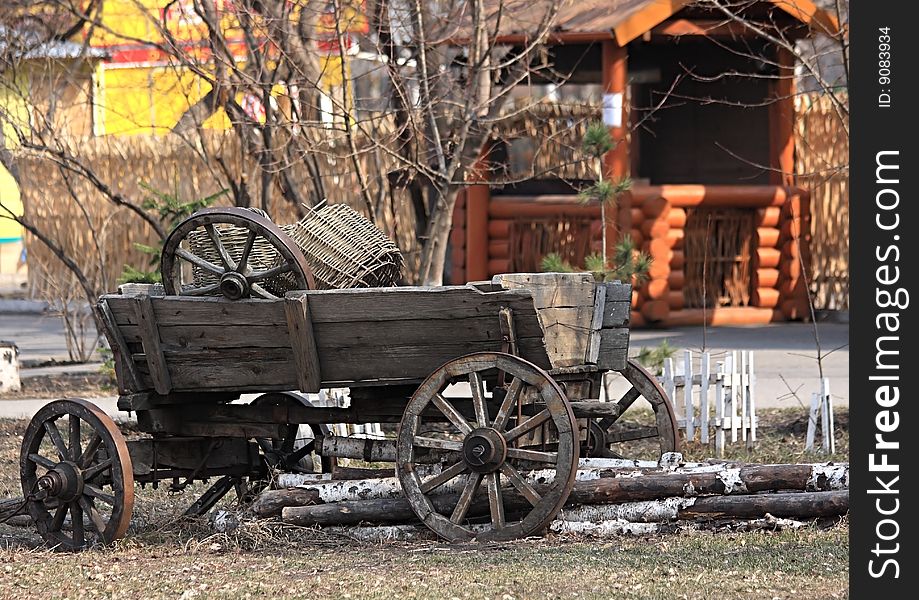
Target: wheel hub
(64, 482)
(234, 286)
(595, 444)
(484, 450)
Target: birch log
(653, 493)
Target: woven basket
(343, 249)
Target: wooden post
(478, 196)
(744, 422)
(687, 396)
(751, 399)
(731, 373)
(782, 121)
(719, 410)
(706, 368)
(615, 115)
(812, 421)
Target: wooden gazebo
(714, 200)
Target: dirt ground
(167, 557)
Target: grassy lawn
(167, 558)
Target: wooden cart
(487, 381)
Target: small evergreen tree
(171, 210)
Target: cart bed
(358, 337)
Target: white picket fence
(719, 402)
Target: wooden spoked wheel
(646, 426)
(488, 488)
(233, 252)
(76, 475)
(295, 451)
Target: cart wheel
(239, 254)
(646, 426)
(75, 461)
(295, 451)
(481, 492)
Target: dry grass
(167, 557)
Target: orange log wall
(657, 218)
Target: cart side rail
(310, 339)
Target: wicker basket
(343, 249)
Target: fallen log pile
(608, 497)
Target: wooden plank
(705, 368)
(123, 361)
(252, 369)
(614, 349)
(719, 411)
(596, 324)
(567, 333)
(188, 310)
(175, 423)
(415, 303)
(618, 292)
(552, 290)
(616, 313)
(303, 343)
(215, 336)
(376, 333)
(689, 408)
(150, 337)
(274, 368)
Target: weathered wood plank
(150, 337)
(552, 290)
(303, 343)
(616, 314)
(614, 349)
(618, 292)
(254, 369)
(275, 369)
(567, 333)
(173, 422)
(187, 310)
(122, 354)
(596, 324)
(337, 306)
(376, 333)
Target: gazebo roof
(624, 20)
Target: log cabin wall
(771, 226)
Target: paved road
(782, 351)
(40, 337)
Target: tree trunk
(434, 253)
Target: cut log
(769, 216)
(675, 238)
(767, 237)
(269, 503)
(653, 494)
(677, 279)
(655, 228)
(767, 278)
(764, 297)
(677, 218)
(803, 505)
(768, 257)
(656, 208)
(11, 507)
